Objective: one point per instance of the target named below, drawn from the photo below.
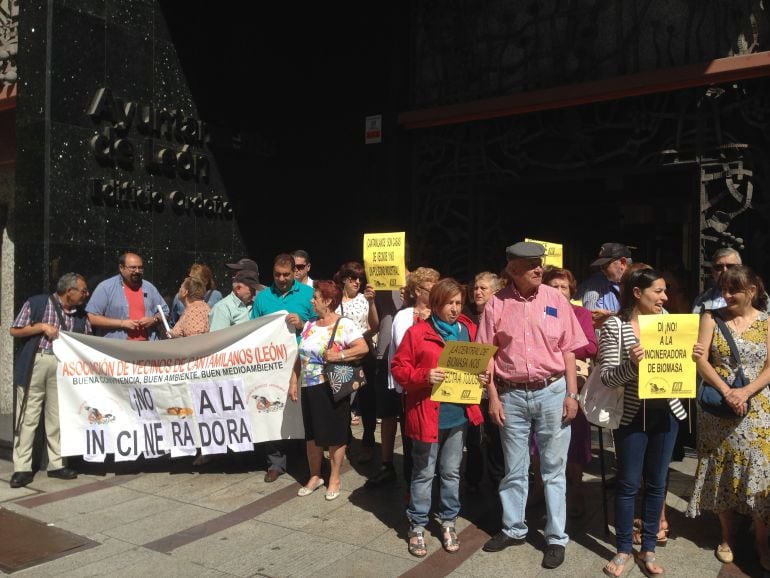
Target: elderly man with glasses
(126, 306)
(34, 373)
(533, 388)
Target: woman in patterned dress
(733, 472)
(359, 308)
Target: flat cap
(525, 250)
(611, 252)
(244, 265)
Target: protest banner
(554, 252)
(667, 369)
(463, 362)
(384, 260)
(219, 390)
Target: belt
(536, 385)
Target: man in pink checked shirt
(534, 384)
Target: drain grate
(25, 542)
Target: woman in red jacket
(437, 429)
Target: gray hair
(491, 278)
(726, 252)
(68, 281)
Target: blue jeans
(448, 451)
(637, 450)
(542, 410)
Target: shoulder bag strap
(334, 333)
(57, 307)
(729, 338)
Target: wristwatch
(572, 396)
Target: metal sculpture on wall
(9, 46)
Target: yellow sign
(384, 260)
(463, 362)
(667, 369)
(554, 253)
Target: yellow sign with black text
(554, 252)
(667, 369)
(384, 260)
(463, 363)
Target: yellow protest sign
(384, 260)
(554, 253)
(463, 362)
(667, 369)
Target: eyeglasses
(134, 267)
(426, 289)
(723, 266)
(300, 266)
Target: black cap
(247, 277)
(244, 265)
(525, 250)
(611, 252)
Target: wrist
(572, 395)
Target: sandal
(619, 562)
(417, 546)
(449, 539)
(724, 554)
(647, 559)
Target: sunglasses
(300, 267)
(723, 266)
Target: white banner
(220, 390)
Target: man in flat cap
(533, 385)
(236, 307)
(600, 293)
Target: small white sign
(373, 132)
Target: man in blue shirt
(600, 293)
(112, 314)
(286, 293)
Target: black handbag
(343, 377)
(709, 397)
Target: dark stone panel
(30, 102)
(77, 68)
(92, 7)
(213, 233)
(74, 217)
(129, 63)
(71, 157)
(171, 88)
(27, 218)
(216, 262)
(161, 27)
(88, 260)
(173, 231)
(136, 16)
(128, 228)
(169, 270)
(29, 267)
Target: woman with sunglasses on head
(733, 472)
(437, 429)
(360, 309)
(645, 439)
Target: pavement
(165, 518)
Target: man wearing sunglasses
(302, 264)
(126, 306)
(722, 260)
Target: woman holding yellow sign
(645, 439)
(437, 429)
(733, 472)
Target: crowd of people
(548, 331)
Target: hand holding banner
(463, 363)
(384, 260)
(668, 369)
